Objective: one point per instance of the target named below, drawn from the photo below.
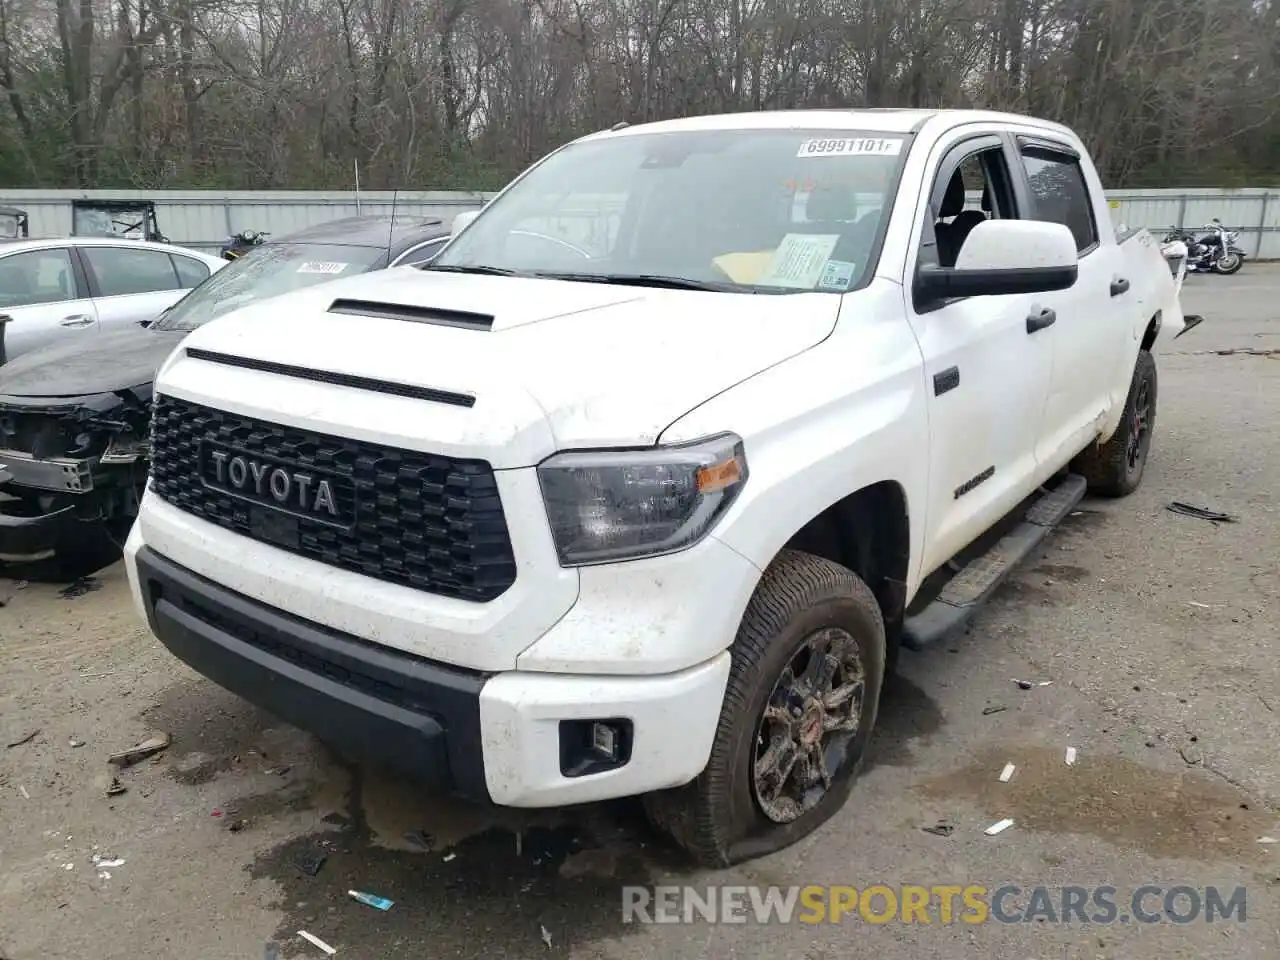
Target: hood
(89, 363)
(561, 365)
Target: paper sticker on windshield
(332, 269)
(799, 260)
(836, 275)
(859, 147)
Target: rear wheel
(1115, 468)
(802, 697)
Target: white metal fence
(204, 218)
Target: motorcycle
(1213, 251)
(238, 244)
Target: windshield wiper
(646, 280)
(473, 268)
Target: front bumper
(494, 737)
(29, 537)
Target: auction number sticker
(322, 267)
(859, 147)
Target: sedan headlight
(614, 505)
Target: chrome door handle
(76, 320)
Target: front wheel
(1229, 263)
(801, 701)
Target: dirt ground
(1159, 633)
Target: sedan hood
(551, 364)
(87, 364)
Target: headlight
(613, 505)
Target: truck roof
(880, 120)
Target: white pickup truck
(640, 487)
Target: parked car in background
(74, 415)
(73, 288)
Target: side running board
(974, 584)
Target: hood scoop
(397, 311)
(337, 379)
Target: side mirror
(1004, 257)
(461, 220)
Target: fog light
(604, 740)
(594, 746)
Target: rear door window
(1059, 193)
(122, 272)
(190, 271)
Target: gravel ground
(1158, 631)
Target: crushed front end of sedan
(72, 471)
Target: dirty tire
(1111, 468)
(719, 818)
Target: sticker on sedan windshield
(860, 147)
(322, 267)
(799, 260)
(836, 275)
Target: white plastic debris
(1071, 756)
(100, 861)
(1268, 840)
(68, 866)
(1007, 773)
(1202, 606)
(315, 941)
(546, 935)
(23, 790)
(1000, 826)
(104, 874)
(449, 856)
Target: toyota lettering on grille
(301, 491)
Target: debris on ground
(235, 826)
(1071, 756)
(25, 738)
(1028, 684)
(277, 771)
(310, 861)
(1000, 826)
(75, 742)
(116, 788)
(1007, 773)
(79, 587)
(1200, 513)
(371, 900)
(106, 860)
(1191, 754)
(996, 708)
(315, 941)
(23, 790)
(1202, 606)
(940, 829)
(140, 751)
(420, 839)
(449, 856)
(1268, 840)
(546, 935)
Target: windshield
(267, 271)
(743, 210)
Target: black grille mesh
(421, 520)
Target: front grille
(419, 520)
